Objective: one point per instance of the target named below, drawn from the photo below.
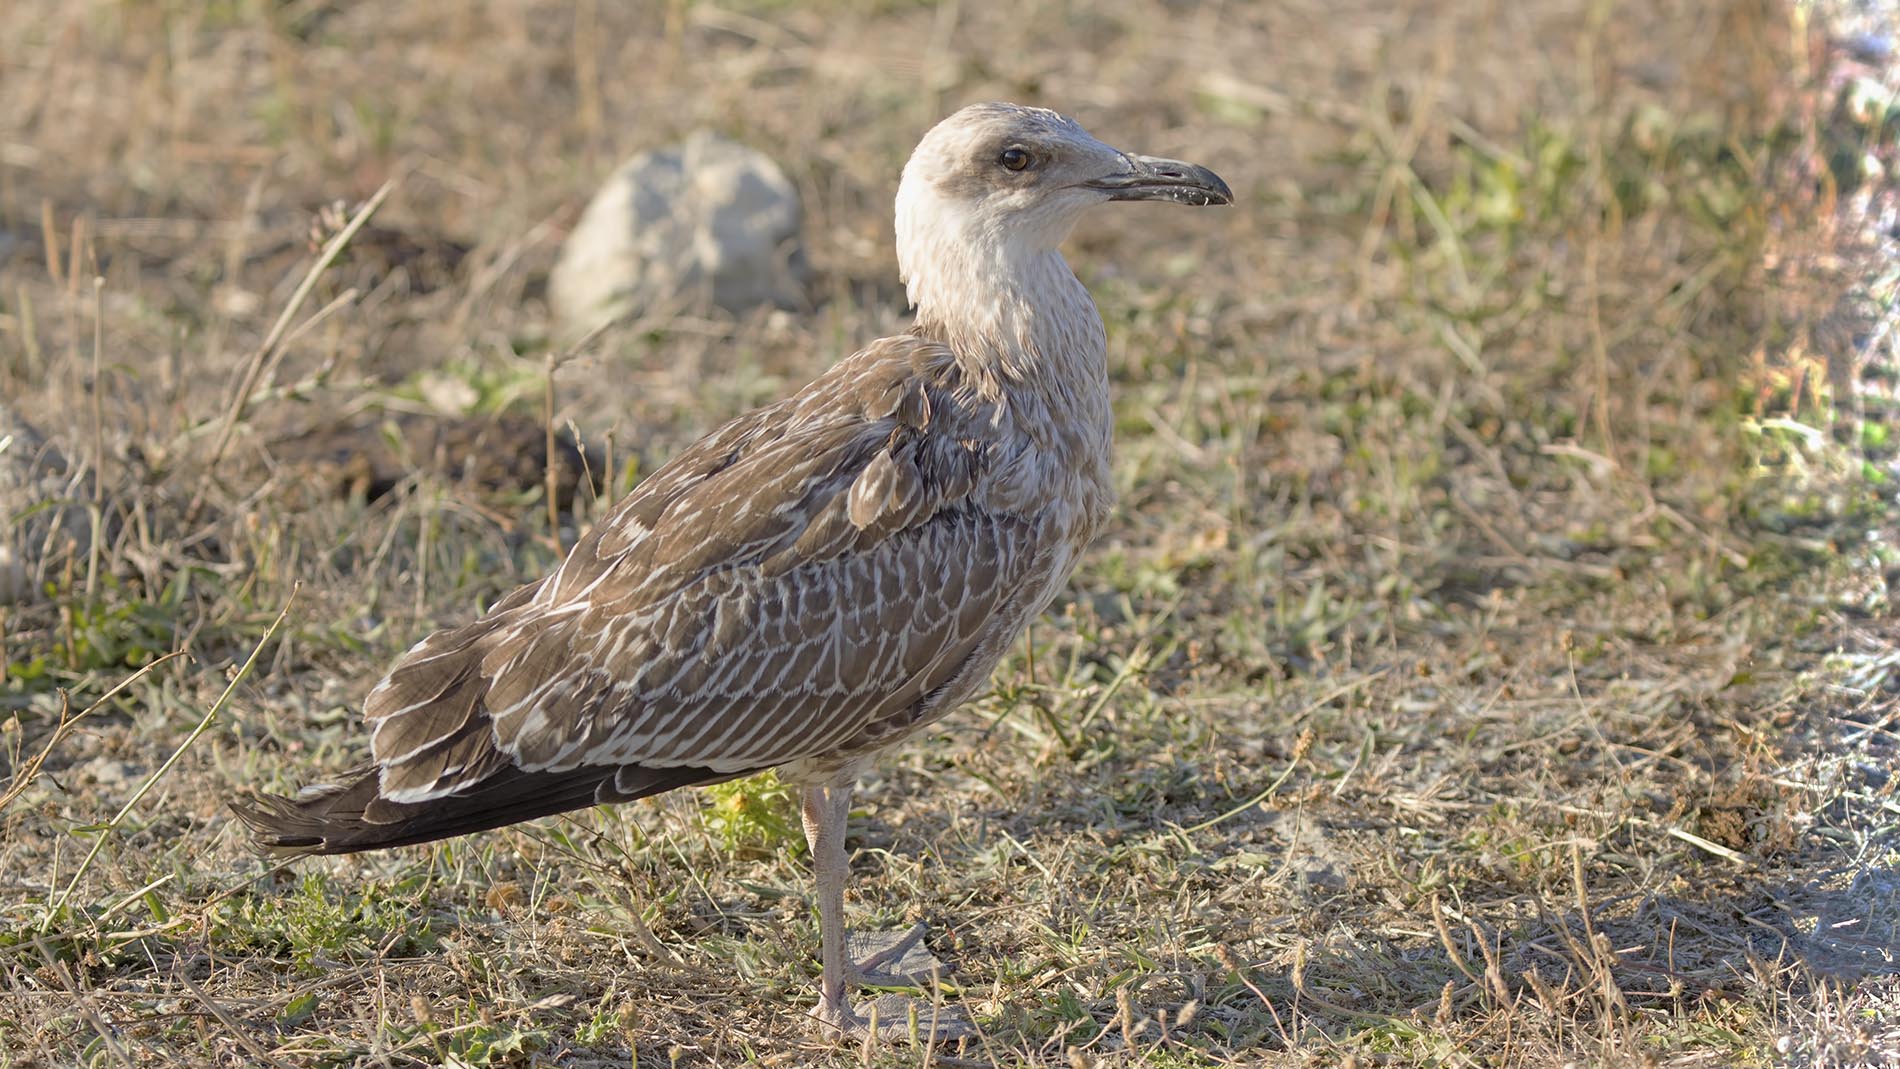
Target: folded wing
(807, 580)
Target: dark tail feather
(346, 817)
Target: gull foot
(891, 959)
(894, 959)
(895, 1018)
(900, 1018)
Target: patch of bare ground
(1492, 662)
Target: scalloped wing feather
(811, 577)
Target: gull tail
(352, 815)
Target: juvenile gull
(815, 581)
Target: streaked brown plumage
(816, 580)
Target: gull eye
(1014, 159)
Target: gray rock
(706, 221)
(42, 508)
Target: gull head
(1005, 182)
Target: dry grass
(1487, 666)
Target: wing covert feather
(808, 577)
